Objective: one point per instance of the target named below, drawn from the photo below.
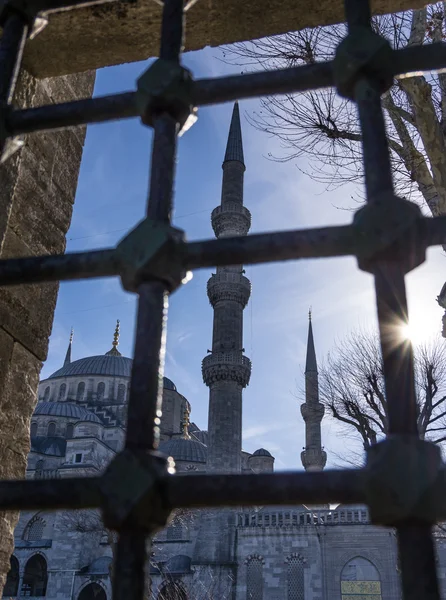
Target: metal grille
(254, 579)
(403, 483)
(295, 582)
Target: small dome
(168, 384)
(65, 409)
(262, 452)
(187, 450)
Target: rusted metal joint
(133, 491)
(153, 251)
(404, 481)
(363, 53)
(389, 230)
(166, 86)
(29, 10)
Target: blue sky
(111, 198)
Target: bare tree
(323, 127)
(351, 386)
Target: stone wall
(37, 190)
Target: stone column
(37, 190)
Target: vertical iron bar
(357, 13)
(377, 166)
(12, 44)
(417, 562)
(148, 362)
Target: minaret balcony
(230, 219)
(313, 459)
(229, 286)
(226, 366)
(312, 412)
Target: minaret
(313, 457)
(226, 371)
(68, 354)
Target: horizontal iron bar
(194, 491)
(252, 249)
(78, 492)
(59, 267)
(216, 90)
(69, 114)
(271, 247)
(199, 491)
(63, 5)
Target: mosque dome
(262, 452)
(65, 409)
(184, 449)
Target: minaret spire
(114, 349)
(313, 457)
(226, 371)
(234, 147)
(68, 354)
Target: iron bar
(396, 351)
(357, 13)
(59, 267)
(129, 567)
(69, 114)
(78, 492)
(377, 167)
(417, 562)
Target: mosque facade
(260, 553)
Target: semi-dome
(106, 364)
(187, 450)
(262, 452)
(65, 409)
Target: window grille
(404, 484)
(62, 391)
(175, 531)
(80, 391)
(254, 578)
(34, 530)
(51, 429)
(295, 578)
(46, 394)
(69, 432)
(101, 390)
(121, 392)
(33, 429)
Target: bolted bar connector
(153, 251)
(389, 229)
(404, 480)
(362, 53)
(133, 491)
(166, 86)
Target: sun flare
(414, 332)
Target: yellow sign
(362, 590)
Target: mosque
(260, 553)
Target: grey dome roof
(262, 452)
(184, 449)
(106, 364)
(65, 409)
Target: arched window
(46, 393)
(62, 391)
(101, 390)
(39, 465)
(69, 431)
(175, 530)
(33, 429)
(360, 580)
(34, 529)
(254, 578)
(172, 590)
(51, 429)
(80, 391)
(12, 579)
(92, 591)
(295, 578)
(121, 392)
(35, 577)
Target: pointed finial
(309, 314)
(68, 354)
(114, 349)
(185, 424)
(234, 147)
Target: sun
(415, 332)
